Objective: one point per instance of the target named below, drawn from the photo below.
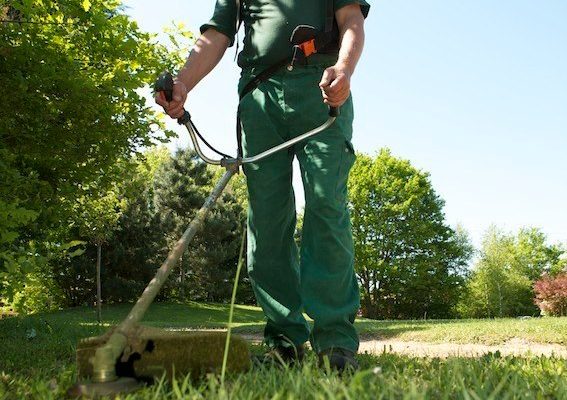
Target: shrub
(551, 295)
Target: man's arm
(335, 83)
(206, 54)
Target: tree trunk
(182, 279)
(98, 284)
(374, 281)
(499, 299)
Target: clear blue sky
(473, 92)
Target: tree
(533, 256)
(502, 280)
(409, 263)
(98, 217)
(180, 188)
(73, 69)
(138, 244)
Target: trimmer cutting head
(151, 352)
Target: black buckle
(298, 57)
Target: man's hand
(335, 86)
(335, 83)
(173, 108)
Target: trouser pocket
(348, 158)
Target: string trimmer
(129, 354)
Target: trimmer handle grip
(164, 83)
(334, 111)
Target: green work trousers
(319, 279)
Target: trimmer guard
(152, 352)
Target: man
(294, 99)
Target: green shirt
(268, 25)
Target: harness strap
(263, 76)
(238, 23)
(330, 17)
(238, 16)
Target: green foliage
(146, 166)
(97, 216)
(33, 288)
(75, 70)
(40, 293)
(29, 282)
(18, 255)
(533, 256)
(501, 283)
(409, 262)
(299, 227)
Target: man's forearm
(351, 27)
(335, 82)
(205, 55)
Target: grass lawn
(37, 359)
(485, 331)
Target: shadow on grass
(196, 315)
(388, 329)
(375, 329)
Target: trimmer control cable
(164, 84)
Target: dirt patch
(514, 347)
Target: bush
(501, 283)
(39, 294)
(551, 295)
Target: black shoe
(339, 359)
(280, 355)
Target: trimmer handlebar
(164, 83)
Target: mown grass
(37, 359)
(484, 331)
(249, 319)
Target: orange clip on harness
(308, 47)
